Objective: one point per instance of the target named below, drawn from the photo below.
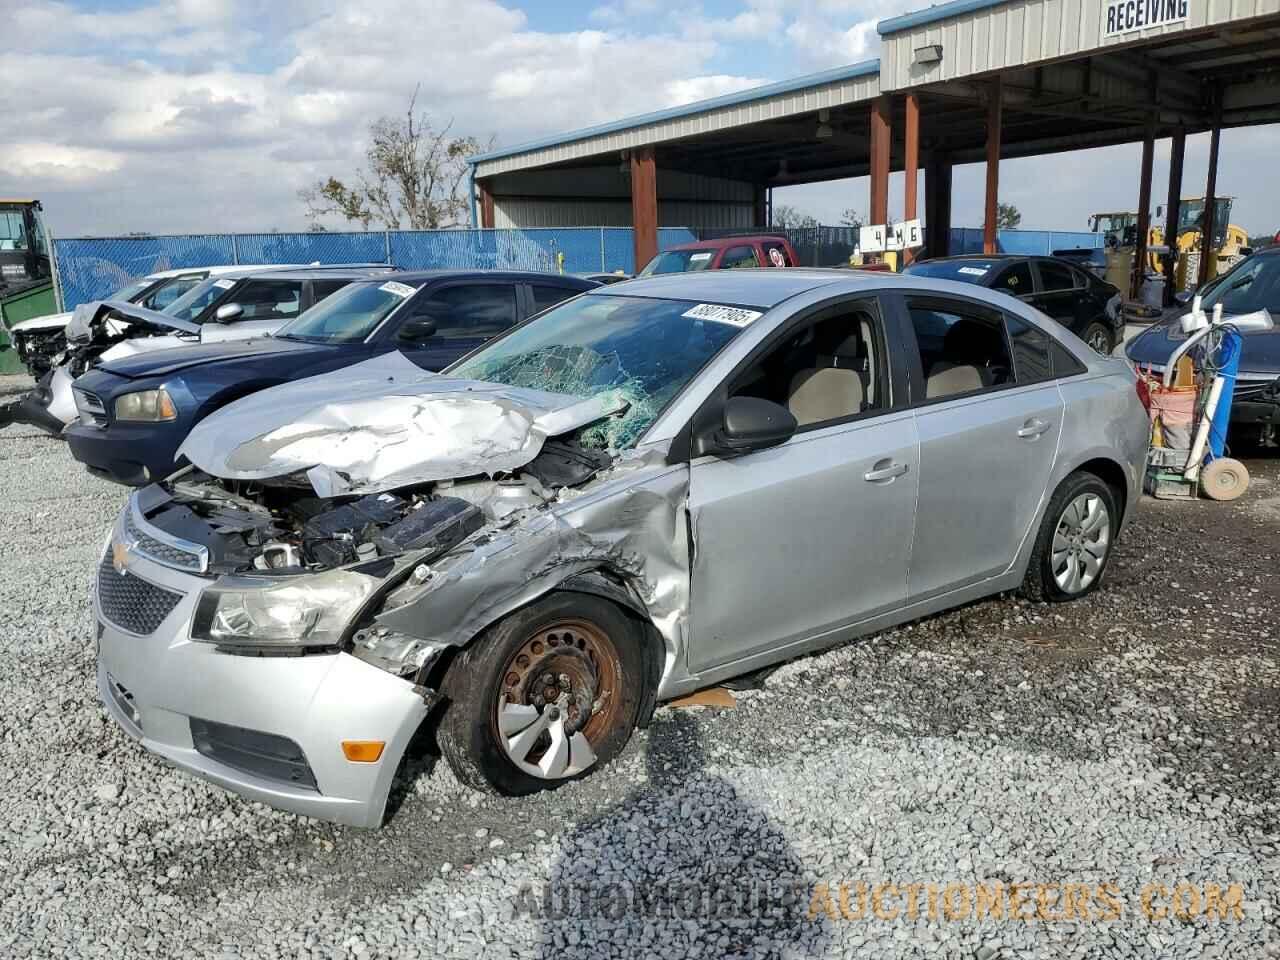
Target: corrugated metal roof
(698, 109)
(939, 11)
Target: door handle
(1033, 428)
(885, 470)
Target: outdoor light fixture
(932, 53)
(824, 131)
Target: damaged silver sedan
(638, 493)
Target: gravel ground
(1115, 743)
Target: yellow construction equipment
(1228, 244)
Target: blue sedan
(135, 412)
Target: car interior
(827, 370)
(959, 354)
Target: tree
(415, 179)
(1007, 216)
(852, 218)
(789, 218)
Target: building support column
(1177, 148)
(881, 136)
(1210, 199)
(910, 165)
(486, 205)
(759, 206)
(994, 105)
(1144, 213)
(937, 204)
(644, 205)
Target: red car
(726, 253)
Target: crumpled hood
(87, 316)
(382, 424)
(44, 324)
(1260, 349)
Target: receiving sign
(1128, 16)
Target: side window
(1055, 276)
(830, 368)
(471, 309)
(776, 256)
(545, 296)
(324, 288)
(961, 350)
(1016, 280)
(736, 257)
(268, 299)
(1031, 363)
(1065, 363)
(170, 292)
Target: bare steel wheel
(547, 694)
(1080, 543)
(559, 695)
(1098, 336)
(1073, 545)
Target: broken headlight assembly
(294, 612)
(150, 406)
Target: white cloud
(677, 92)
(57, 162)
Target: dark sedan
(1084, 304)
(1252, 284)
(135, 412)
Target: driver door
(463, 316)
(802, 539)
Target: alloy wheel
(1080, 543)
(558, 699)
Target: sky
(169, 116)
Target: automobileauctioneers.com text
(888, 901)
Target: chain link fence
(90, 268)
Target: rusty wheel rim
(558, 698)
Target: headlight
(305, 611)
(148, 405)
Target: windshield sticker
(719, 313)
(975, 271)
(699, 257)
(399, 289)
(224, 284)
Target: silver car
(640, 492)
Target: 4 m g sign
(1127, 16)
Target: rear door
(988, 416)
(1060, 293)
(544, 296)
(464, 315)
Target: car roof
(319, 273)
(719, 243)
(761, 288)
(419, 277)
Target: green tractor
(26, 284)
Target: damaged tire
(546, 695)
(1073, 546)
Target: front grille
(90, 407)
(260, 754)
(131, 603)
(160, 552)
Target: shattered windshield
(642, 349)
(349, 315)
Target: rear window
(965, 271)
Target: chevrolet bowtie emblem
(120, 557)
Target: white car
(40, 339)
(239, 303)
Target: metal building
(964, 81)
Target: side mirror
(747, 424)
(228, 312)
(1246, 251)
(417, 328)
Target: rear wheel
(546, 695)
(1073, 546)
(1098, 335)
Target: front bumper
(133, 454)
(155, 685)
(49, 406)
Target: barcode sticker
(224, 284)
(719, 313)
(399, 289)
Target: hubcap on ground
(1080, 543)
(558, 699)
